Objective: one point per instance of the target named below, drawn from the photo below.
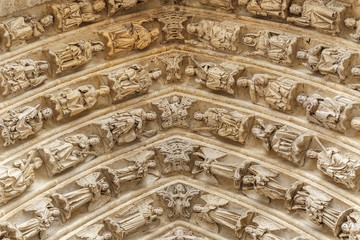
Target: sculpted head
(104, 90)
(152, 164)
(154, 33)
(94, 141)
(158, 211)
(248, 180)
(312, 154)
(350, 22)
(192, 28)
(190, 70)
(302, 99)
(156, 73)
(347, 226)
(295, 9)
(302, 55)
(199, 116)
(98, 5)
(46, 113)
(197, 208)
(47, 21)
(44, 67)
(175, 99)
(97, 46)
(250, 39)
(150, 115)
(107, 235)
(356, 71)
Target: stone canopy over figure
(130, 80)
(22, 74)
(18, 30)
(95, 192)
(126, 127)
(69, 15)
(287, 143)
(16, 179)
(74, 54)
(277, 46)
(331, 113)
(60, 155)
(231, 125)
(141, 214)
(266, 8)
(323, 15)
(333, 62)
(278, 92)
(21, 123)
(70, 102)
(130, 37)
(220, 77)
(223, 36)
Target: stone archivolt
(165, 122)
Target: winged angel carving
(92, 233)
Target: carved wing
(200, 71)
(213, 200)
(212, 153)
(143, 156)
(266, 223)
(98, 202)
(258, 169)
(316, 194)
(141, 206)
(39, 205)
(91, 232)
(162, 104)
(186, 102)
(88, 179)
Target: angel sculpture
(93, 191)
(92, 233)
(140, 214)
(231, 125)
(126, 127)
(212, 214)
(262, 181)
(350, 229)
(219, 77)
(174, 111)
(144, 164)
(45, 222)
(178, 198)
(264, 229)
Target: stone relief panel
(173, 24)
(180, 233)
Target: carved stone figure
(223, 35)
(350, 229)
(355, 71)
(69, 15)
(266, 8)
(126, 127)
(92, 233)
(141, 214)
(174, 111)
(19, 30)
(277, 46)
(22, 74)
(223, 4)
(263, 229)
(328, 112)
(178, 198)
(213, 214)
(314, 202)
(21, 123)
(74, 54)
(130, 80)
(144, 164)
(278, 92)
(231, 125)
(16, 179)
(180, 233)
(287, 143)
(60, 155)
(46, 216)
(354, 24)
(173, 24)
(130, 37)
(219, 77)
(117, 5)
(95, 192)
(342, 168)
(177, 153)
(70, 102)
(324, 16)
(333, 62)
(173, 66)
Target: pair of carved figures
(22, 123)
(323, 15)
(231, 125)
(141, 214)
(69, 15)
(131, 80)
(60, 155)
(130, 37)
(18, 30)
(70, 102)
(126, 127)
(279, 93)
(277, 46)
(22, 74)
(333, 62)
(215, 35)
(216, 77)
(74, 55)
